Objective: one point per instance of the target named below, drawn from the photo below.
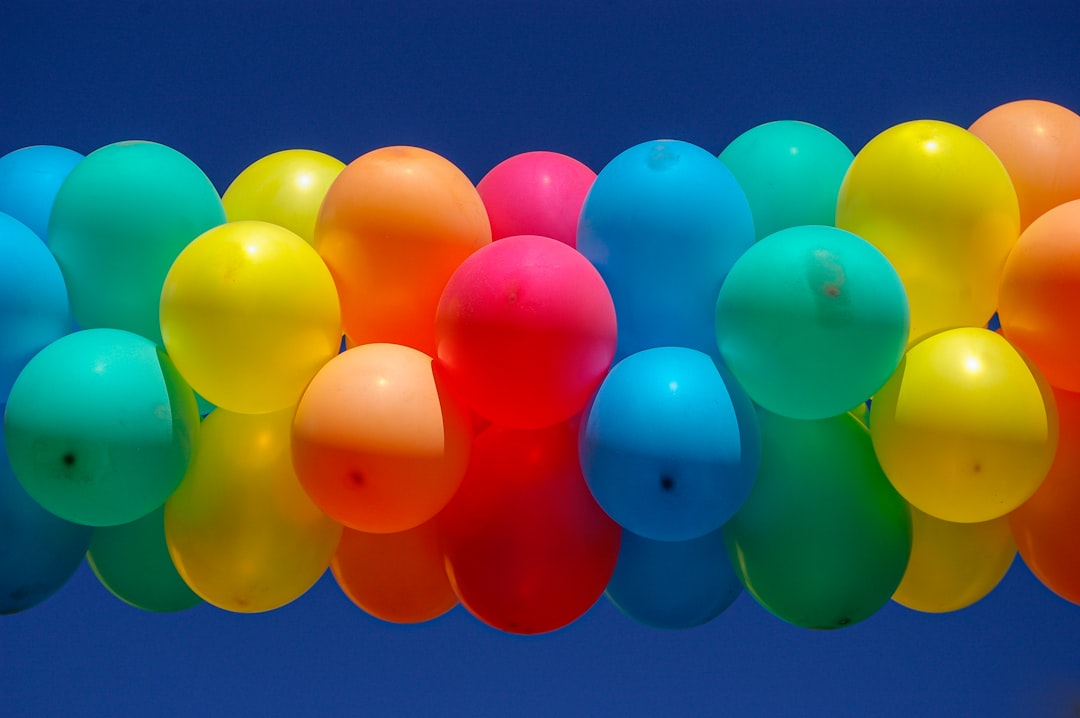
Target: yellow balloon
(249, 313)
(285, 188)
(953, 565)
(937, 202)
(965, 428)
(241, 531)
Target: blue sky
(478, 82)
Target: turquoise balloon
(29, 180)
(812, 321)
(823, 539)
(663, 223)
(791, 173)
(100, 427)
(119, 220)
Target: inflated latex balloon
(811, 321)
(393, 227)
(29, 180)
(536, 193)
(1039, 307)
(132, 561)
(241, 531)
(1045, 526)
(791, 173)
(526, 328)
(249, 313)
(663, 222)
(39, 551)
(953, 565)
(823, 539)
(33, 300)
(100, 427)
(673, 584)
(284, 188)
(1039, 144)
(398, 577)
(119, 220)
(965, 428)
(380, 441)
(939, 204)
(669, 447)
(527, 548)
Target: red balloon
(527, 548)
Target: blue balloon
(669, 445)
(663, 223)
(29, 181)
(673, 584)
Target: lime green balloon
(100, 427)
(791, 173)
(119, 220)
(132, 561)
(823, 539)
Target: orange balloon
(1039, 144)
(398, 577)
(1045, 527)
(379, 441)
(393, 227)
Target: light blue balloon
(29, 180)
(663, 223)
(669, 447)
(673, 584)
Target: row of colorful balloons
(642, 387)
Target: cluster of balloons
(683, 377)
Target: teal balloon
(823, 539)
(29, 180)
(119, 220)
(791, 173)
(100, 427)
(812, 321)
(132, 561)
(663, 223)
(673, 585)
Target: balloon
(673, 584)
(663, 223)
(527, 549)
(965, 428)
(1039, 307)
(100, 427)
(119, 220)
(791, 173)
(526, 328)
(536, 193)
(249, 313)
(398, 577)
(939, 204)
(1039, 144)
(284, 188)
(39, 551)
(29, 180)
(1045, 526)
(669, 447)
(394, 226)
(132, 561)
(811, 321)
(823, 539)
(953, 565)
(240, 529)
(380, 442)
(33, 300)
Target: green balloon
(119, 220)
(100, 427)
(791, 173)
(132, 561)
(823, 539)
